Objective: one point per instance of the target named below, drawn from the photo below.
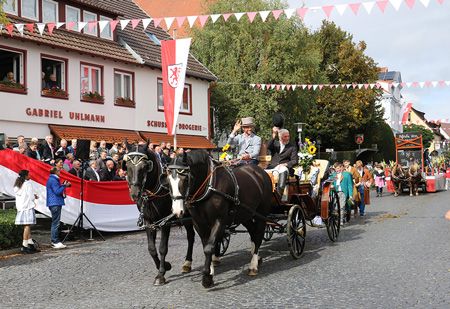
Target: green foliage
(427, 135)
(10, 234)
(3, 18)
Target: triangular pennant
(382, 5)
(272, 86)
(309, 87)
(368, 6)
(288, 87)
(180, 21)
(371, 86)
(348, 86)
(238, 15)
(410, 3)
(264, 14)
(10, 29)
(366, 86)
(302, 12)
(283, 87)
(169, 21)
(113, 25)
(50, 27)
(226, 16)
(396, 4)
(425, 2)
(315, 87)
(215, 17)
(157, 21)
(440, 1)
(263, 86)
(252, 85)
(360, 86)
(294, 86)
(191, 20)
(320, 87)
(251, 16)
(92, 25)
(30, 27)
(428, 83)
(276, 14)
(135, 23)
(19, 28)
(327, 10)
(59, 25)
(81, 25)
(355, 7)
(415, 84)
(395, 84)
(304, 87)
(203, 19)
(146, 22)
(421, 84)
(124, 23)
(70, 25)
(277, 87)
(434, 83)
(340, 8)
(102, 25)
(41, 28)
(441, 83)
(289, 13)
(409, 85)
(447, 82)
(403, 84)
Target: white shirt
(25, 196)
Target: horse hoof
(216, 263)
(417, 194)
(410, 195)
(167, 266)
(252, 272)
(207, 281)
(186, 269)
(159, 280)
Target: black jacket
(89, 174)
(75, 172)
(48, 153)
(289, 154)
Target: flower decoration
(225, 156)
(306, 155)
(312, 149)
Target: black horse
(217, 196)
(146, 178)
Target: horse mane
(197, 157)
(198, 162)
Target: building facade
(80, 82)
(391, 99)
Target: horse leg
(208, 247)
(256, 231)
(411, 188)
(187, 265)
(163, 265)
(151, 240)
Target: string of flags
(202, 20)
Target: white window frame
(102, 35)
(182, 110)
(37, 10)
(63, 70)
(56, 7)
(122, 83)
(16, 8)
(68, 7)
(86, 28)
(100, 82)
(21, 65)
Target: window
(49, 11)
(12, 70)
(10, 6)
(30, 9)
(87, 17)
(54, 76)
(124, 88)
(186, 105)
(106, 33)
(91, 82)
(73, 15)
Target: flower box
(12, 87)
(55, 93)
(92, 97)
(125, 102)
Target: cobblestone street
(398, 256)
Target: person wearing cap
(249, 144)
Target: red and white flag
(406, 108)
(174, 56)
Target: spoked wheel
(296, 231)
(268, 232)
(334, 217)
(224, 243)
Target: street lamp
(318, 142)
(299, 131)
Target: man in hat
(249, 143)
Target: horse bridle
(180, 170)
(135, 158)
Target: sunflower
(226, 147)
(312, 149)
(308, 141)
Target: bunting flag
(406, 108)
(174, 56)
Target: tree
(3, 18)
(427, 135)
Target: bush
(10, 234)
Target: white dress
(25, 204)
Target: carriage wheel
(296, 231)
(268, 232)
(334, 217)
(224, 243)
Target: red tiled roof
(94, 134)
(98, 5)
(185, 141)
(446, 127)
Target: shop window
(49, 11)
(12, 71)
(53, 82)
(124, 88)
(30, 9)
(186, 105)
(89, 17)
(11, 7)
(91, 83)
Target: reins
(202, 186)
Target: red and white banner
(406, 108)
(174, 56)
(106, 204)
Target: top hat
(248, 122)
(278, 120)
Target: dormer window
(11, 7)
(73, 15)
(106, 33)
(89, 17)
(30, 9)
(49, 11)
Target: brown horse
(414, 177)
(398, 178)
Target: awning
(94, 134)
(184, 141)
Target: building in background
(417, 117)
(391, 99)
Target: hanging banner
(174, 56)
(406, 108)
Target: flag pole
(174, 34)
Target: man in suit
(76, 168)
(109, 172)
(48, 150)
(32, 151)
(91, 172)
(249, 144)
(284, 156)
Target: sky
(414, 41)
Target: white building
(391, 100)
(106, 85)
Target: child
(25, 197)
(379, 179)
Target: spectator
(59, 163)
(62, 150)
(109, 172)
(151, 146)
(48, 150)
(32, 151)
(162, 145)
(76, 169)
(343, 184)
(364, 186)
(52, 83)
(116, 159)
(93, 151)
(121, 152)
(25, 204)
(379, 179)
(102, 147)
(101, 162)
(22, 149)
(166, 155)
(114, 149)
(20, 141)
(68, 162)
(121, 175)
(169, 146)
(9, 78)
(55, 201)
(91, 172)
(73, 147)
